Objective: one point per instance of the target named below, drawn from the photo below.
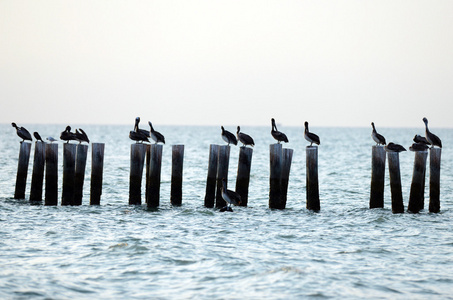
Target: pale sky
(332, 63)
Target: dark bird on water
(231, 197)
(67, 135)
(37, 136)
(156, 136)
(418, 147)
(379, 139)
(311, 137)
(81, 136)
(420, 139)
(279, 136)
(392, 147)
(22, 132)
(137, 129)
(228, 137)
(245, 139)
(433, 139)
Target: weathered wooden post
(138, 151)
(154, 176)
(69, 154)
(276, 162)
(147, 164)
(209, 198)
(312, 178)
(222, 172)
(177, 160)
(287, 157)
(434, 179)
(79, 176)
(37, 178)
(243, 176)
(22, 170)
(377, 177)
(97, 168)
(395, 182)
(51, 194)
(417, 194)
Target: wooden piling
(243, 176)
(177, 161)
(147, 164)
(395, 182)
(79, 176)
(434, 179)
(377, 177)
(209, 198)
(287, 157)
(276, 162)
(69, 155)
(37, 178)
(51, 194)
(154, 176)
(417, 193)
(97, 168)
(22, 170)
(222, 172)
(312, 184)
(138, 151)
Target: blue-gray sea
(118, 251)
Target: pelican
(279, 136)
(156, 136)
(67, 135)
(311, 137)
(433, 139)
(37, 136)
(379, 139)
(22, 132)
(245, 139)
(51, 139)
(229, 196)
(392, 147)
(228, 137)
(81, 136)
(138, 136)
(418, 147)
(145, 132)
(420, 139)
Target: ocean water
(117, 251)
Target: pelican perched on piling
(22, 133)
(279, 136)
(145, 132)
(156, 136)
(67, 135)
(81, 136)
(37, 136)
(379, 139)
(420, 139)
(311, 137)
(245, 139)
(418, 147)
(392, 147)
(433, 139)
(231, 197)
(228, 137)
(138, 136)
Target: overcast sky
(332, 63)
